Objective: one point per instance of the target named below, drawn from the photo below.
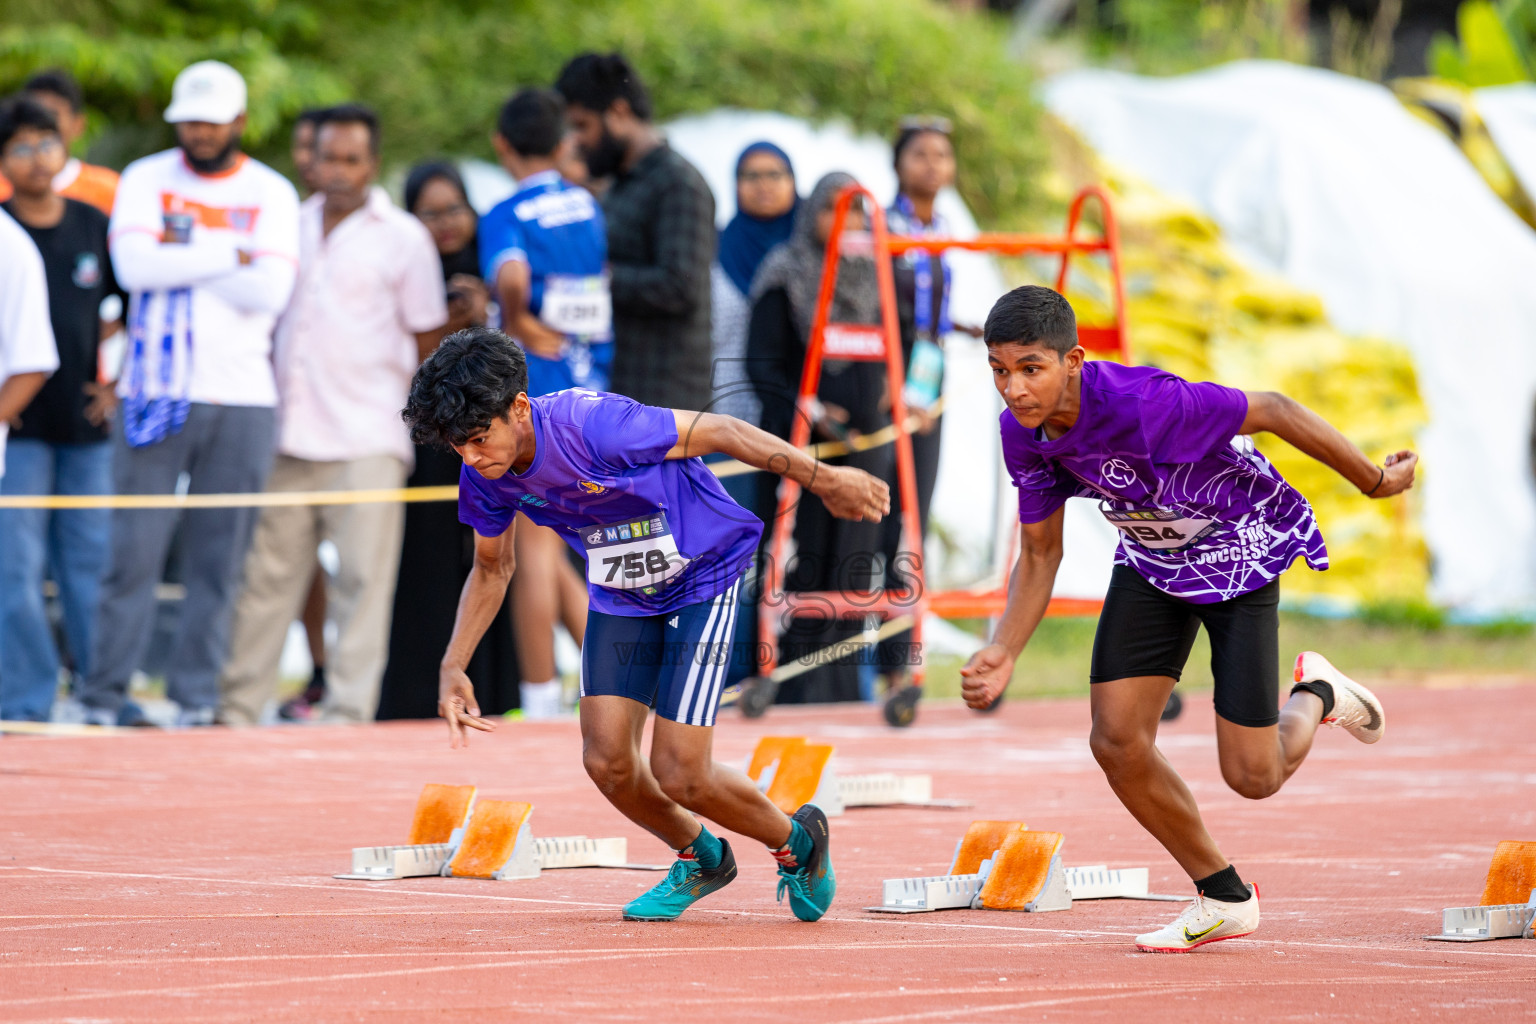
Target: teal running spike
(685, 885)
(811, 886)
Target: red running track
(187, 877)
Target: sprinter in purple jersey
(1206, 527)
(665, 548)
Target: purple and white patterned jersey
(657, 534)
(1202, 515)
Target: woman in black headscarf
(831, 554)
(439, 550)
(765, 216)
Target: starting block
(453, 837)
(1508, 908)
(793, 771)
(1001, 865)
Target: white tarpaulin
(1330, 182)
(1509, 112)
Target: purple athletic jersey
(600, 477)
(1202, 515)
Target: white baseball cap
(210, 91)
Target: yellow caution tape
(447, 492)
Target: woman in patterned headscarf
(831, 554)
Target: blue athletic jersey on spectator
(557, 229)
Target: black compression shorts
(1145, 632)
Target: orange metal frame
(883, 344)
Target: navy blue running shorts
(675, 663)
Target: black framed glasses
(46, 146)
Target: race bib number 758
(638, 554)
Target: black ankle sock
(1323, 690)
(1224, 885)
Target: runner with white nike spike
(1207, 526)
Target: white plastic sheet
(1509, 112)
(1328, 181)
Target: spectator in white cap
(206, 240)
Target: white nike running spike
(1355, 709)
(1203, 921)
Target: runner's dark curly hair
(472, 379)
(1032, 315)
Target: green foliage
(1401, 649)
(437, 72)
(1173, 36)
(126, 56)
(1488, 51)
(1418, 615)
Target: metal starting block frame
(812, 777)
(887, 789)
(963, 892)
(530, 856)
(1481, 924)
(1511, 876)
(959, 891)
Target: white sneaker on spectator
(193, 718)
(541, 700)
(68, 711)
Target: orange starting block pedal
(793, 771)
(451, 835)
(1001, 865)
(1027, 875)
(1508, 908)
(498, 843)
(440, 811)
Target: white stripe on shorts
(693, 670)
(719, 655)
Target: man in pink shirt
(368, 307)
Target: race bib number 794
(1158, 529)
(639, 554)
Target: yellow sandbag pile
(1198, 312)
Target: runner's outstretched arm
(848, 493)
(986, 675)
(1293, 422)
(479, 601)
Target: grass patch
(1398, 643)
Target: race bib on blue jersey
(638, 554)
(578, 305)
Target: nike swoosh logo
(1190, 936)
(1375, 721)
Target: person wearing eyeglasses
(58, 444)
(766, 202)
(57, 90)
(437, 553)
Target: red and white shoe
(1204, 921)
(1356, 710)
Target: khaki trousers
(359, 598)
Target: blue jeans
(73, 544)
